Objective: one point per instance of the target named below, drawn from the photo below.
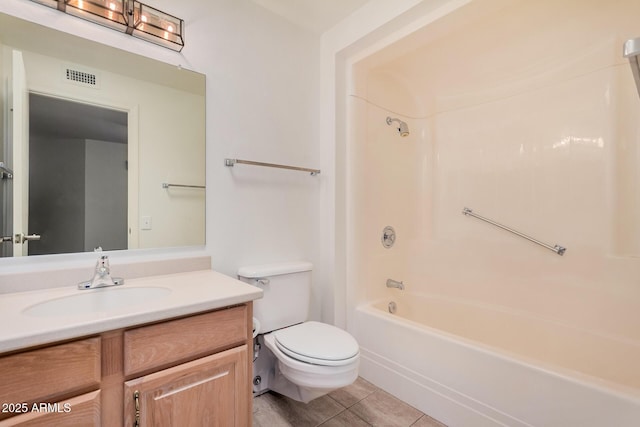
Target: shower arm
(391, 120)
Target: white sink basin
(98, 300)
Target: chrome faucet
(102, 276)
(395, 284)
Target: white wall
(271, 96)
(262, 104)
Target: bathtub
(473, 365)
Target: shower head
(632, 52)
(403, 128)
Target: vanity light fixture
(110, 13)
(128, 16)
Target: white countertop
(190, 293)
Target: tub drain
(393, 307)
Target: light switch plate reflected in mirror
(145, 223)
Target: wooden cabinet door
(50, 374)
(211, 391)
(80, 411)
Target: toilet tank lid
(275, 269)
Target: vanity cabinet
(209, 391)
(213, 390)
(193, 371)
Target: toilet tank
(287, 292)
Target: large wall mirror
(101, 148)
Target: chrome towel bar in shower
(556, 248)
(232, 162)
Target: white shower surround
(528, 116)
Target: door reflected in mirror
(77, 176)
(104, 129)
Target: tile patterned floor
(360, 404)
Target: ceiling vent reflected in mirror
(128, 16)
(81, 78)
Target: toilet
(295, 357)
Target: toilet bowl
(314, 358)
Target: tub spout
(395, 284)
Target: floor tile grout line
(330, 418)
(384, 392)
(354, 414)
(344, 408)
(353, 404)
(365, 421)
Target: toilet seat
(318, 344)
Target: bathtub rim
(621, 391)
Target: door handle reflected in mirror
(21, 238)
(6, 239)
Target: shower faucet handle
(388, 237)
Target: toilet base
(263, 368)
(285, 387)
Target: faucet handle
(103, 264)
